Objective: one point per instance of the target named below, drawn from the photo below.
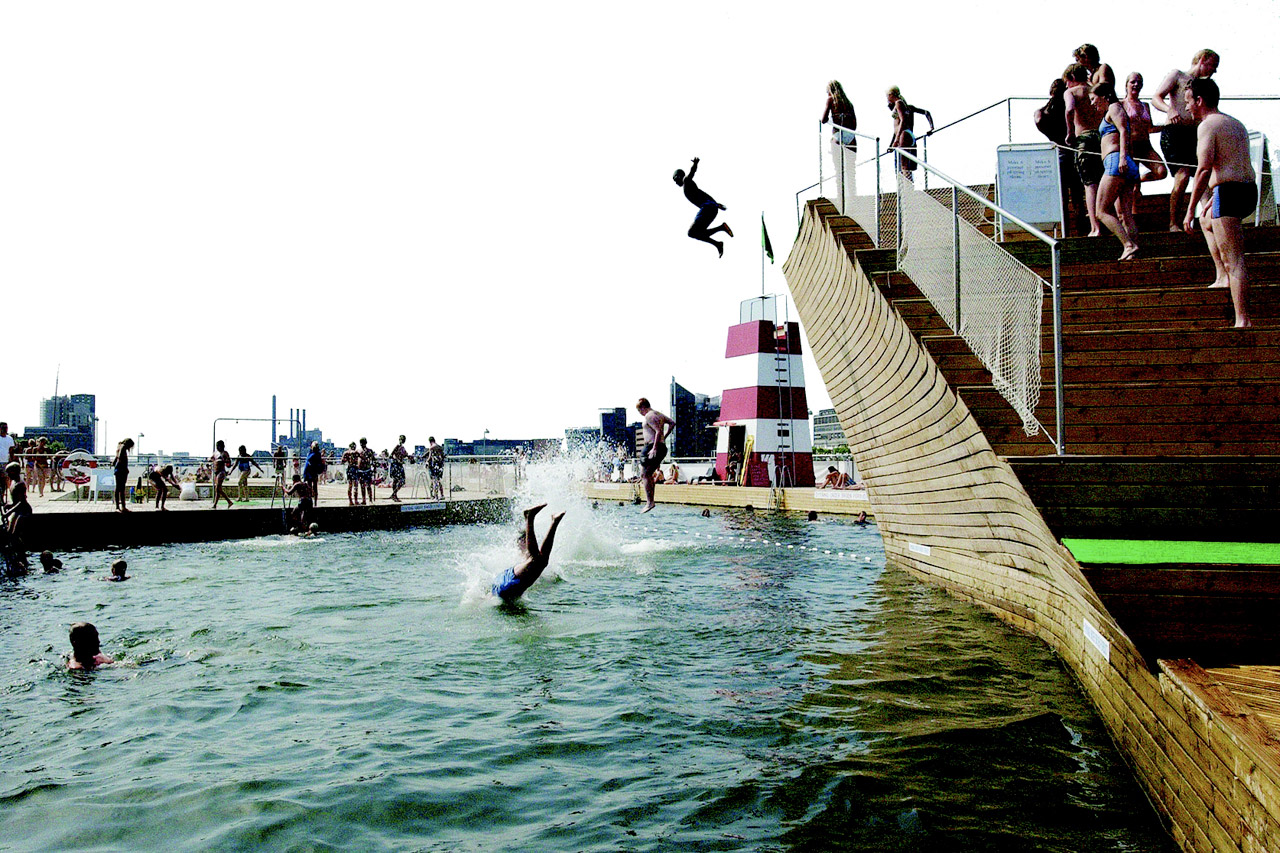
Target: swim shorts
(508, 587)
(1234, 199)
(650, 465)
(706, 213)
(1111, 166)
(1178, 142)
(1088, 162)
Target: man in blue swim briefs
(1222, 163)
(515, 580)
(707, 209)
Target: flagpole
(762, 256)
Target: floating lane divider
(759, 540)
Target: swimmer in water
(86, 652)
(118, 570)
(51, 563)
(517, 579)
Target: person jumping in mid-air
(517, 579)
(707, 209)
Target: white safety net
(1000, 298)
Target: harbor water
(673, 683)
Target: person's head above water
(813, 515)
(85, 645)
(314, 528)
(119, 569)
(50, 563)
(678, 177)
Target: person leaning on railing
(904, 124)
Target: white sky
(446, 218)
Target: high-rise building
(827, 431)
(68, 419)
(695, 416)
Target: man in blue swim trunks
(1222, 163)
(515, 580)
(707, 209)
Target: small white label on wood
(919, 549)
(421, 507)
(840, 494)
(1098, 641)
(607, 487)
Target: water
(661, 689)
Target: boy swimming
(515, 580)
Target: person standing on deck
(1099, 71)
(368, 462)
(657, 427)
(6, 451)
(312, 470)
(1084, 113)
(844, 144)
(221, 468)
(904, 127)
(707, 206)
(1222, 165)
(243, 463)
(121, 469)
(395, 468)
(1178, 137)
(435, 467)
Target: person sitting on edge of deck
(302, 491)
(1223, 168)
(516, 580)
(119, 572)
(835, 479)
(86, 650)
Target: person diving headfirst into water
(707, 209)
(517, 579)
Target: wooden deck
(827, 501)
(1171, 423)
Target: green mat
(1157, 551)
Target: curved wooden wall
(952, 511)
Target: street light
(486, 443)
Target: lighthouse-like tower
(764, 416)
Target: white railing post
(955, 245)
(879, 241)
(1059, 391)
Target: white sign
(422, 507)
(1028, 184)
(919, 549)
(840, 494)
(1099, 642)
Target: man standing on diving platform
(707, 209)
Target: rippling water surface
(662, 688)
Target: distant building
(695, 416)
(534, 448)
(827, 431)
(68, 419)
(577, 438)
(613, 425)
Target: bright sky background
(445, 218)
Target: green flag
(764, 239)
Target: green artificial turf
(1156, 551)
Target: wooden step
(1213, 613)
(1076, 250)
(1191, 498)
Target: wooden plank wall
(953, 512)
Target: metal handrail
(1055, 253)
(821, 179)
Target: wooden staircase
(1172, 424)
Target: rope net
(1000, 298)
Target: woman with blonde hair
(1119, 171)
(844, 144)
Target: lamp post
(486, 443)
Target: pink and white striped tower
(765, 406)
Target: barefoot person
(395, 468)
(1084, 113)
(435, 467)
(707, 206)
(1099, 71)
(844, 143)
(86, 650)
(121, 468)
(243, 463)
(1178, 137)
(517, 579)
(1140, 129)
(351, 458)
(657, 427)
(302, 512)
(1222, 167)
(1119, 171)
(904, 127)
(160, 479)
(221, 460)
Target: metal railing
(845, 174)
(999, 322)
